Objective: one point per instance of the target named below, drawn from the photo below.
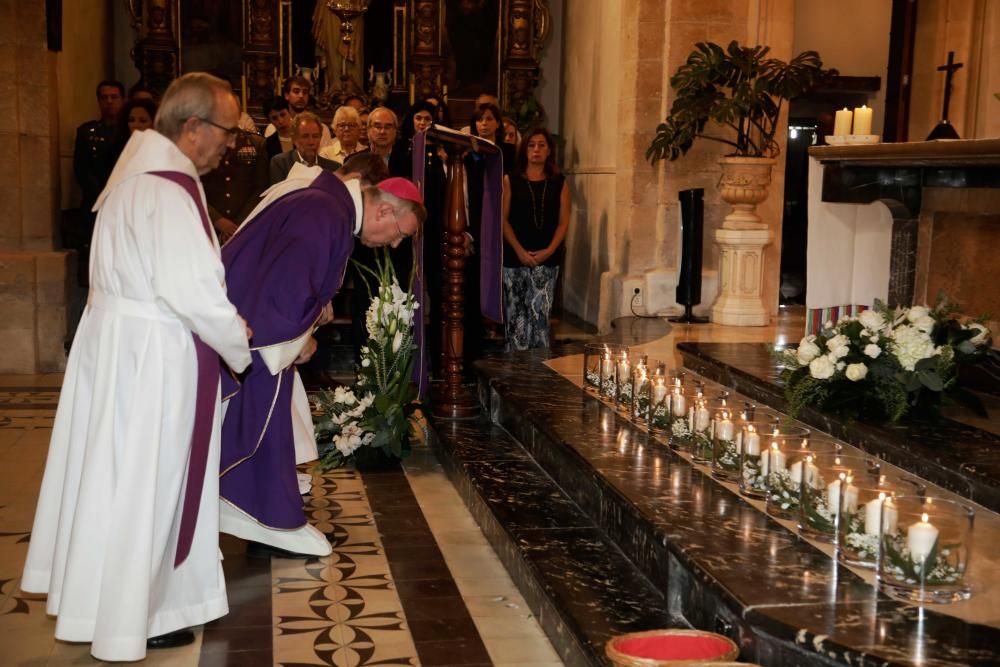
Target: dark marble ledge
(711, 531)
(915, 153)
(958, 457)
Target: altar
(901, 223)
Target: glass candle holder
(757, 453)
(725, 427)
(834, 497)
(641, 395)
(691, 433)
(858, 537)
(926, 544)
(786, 463)
(623, 381)
(659, 408)
(604, 363)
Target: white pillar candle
(842, 122)
(679, 404)
(724, 428)
(752, 442)
(862, 120)
(920, 539)
(890, 515)
(659, 391)
(873, 514)
(777, 459)
(812, 473)
(606, 366)
(691, 419)
(623, 371)
(850, 494)
(701, 418)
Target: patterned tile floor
(411, 581)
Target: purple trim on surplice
(205, 398)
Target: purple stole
(204, 412)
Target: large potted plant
(734, 96)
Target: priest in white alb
(125, 540)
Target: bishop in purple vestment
(282, 269)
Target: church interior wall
(549, 90)
(86, 59)
(34, 276)
(613, 250)
(866, 53)
(970, 28)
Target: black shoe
(261, 550)
(171, 639)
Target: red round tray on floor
(666, 648)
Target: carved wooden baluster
(454, 400)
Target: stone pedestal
(741, 260)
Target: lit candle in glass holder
(623, 381)
(678, 404)
(607, 372)
(640, 394)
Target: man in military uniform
(98, 144)
(234, 188)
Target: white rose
(917, 312)
(925, 324)
(808, 350)
(872, 320)
(856, 372)
(981, 337)
(839, 346)
(821, 368)
(873, 350)
(366, 362)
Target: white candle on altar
(890, 515)
(751, 442)
(920, 539)
(850, 494)
(691, 419)
(775, 459)
(862, 120)
(623, 369)
(812, 472)
(659, 390)
(724, 428)
(606, 367)
(678, 403)
(873, 515)
(842, 122)
(701, 418)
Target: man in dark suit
(233, 189)
(307, 131)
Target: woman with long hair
(536, 217)
(138, 114)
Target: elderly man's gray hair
(193, 95)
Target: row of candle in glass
(840, 499)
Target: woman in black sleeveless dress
(536, 207)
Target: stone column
(34, 277)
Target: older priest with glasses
(126, 537)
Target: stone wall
(618, 58)
(33, 275)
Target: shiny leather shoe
(261, 550)
(171, 639)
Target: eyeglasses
(231, 132)
(399, 229)
(346, 126)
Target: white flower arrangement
(379, 411)
(886, 359)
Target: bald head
(382, 126)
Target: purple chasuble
(205, 398)
(281, 269)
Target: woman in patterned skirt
(536, 217)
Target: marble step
(722, 564)
(577, 582)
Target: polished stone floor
(411, 581)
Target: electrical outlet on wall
(637, 297)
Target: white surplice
(109, 510)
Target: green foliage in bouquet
(380, 411)
(883, 363)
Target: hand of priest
(308, 350)
(226, 229)
(248, 329)
(325, 315)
